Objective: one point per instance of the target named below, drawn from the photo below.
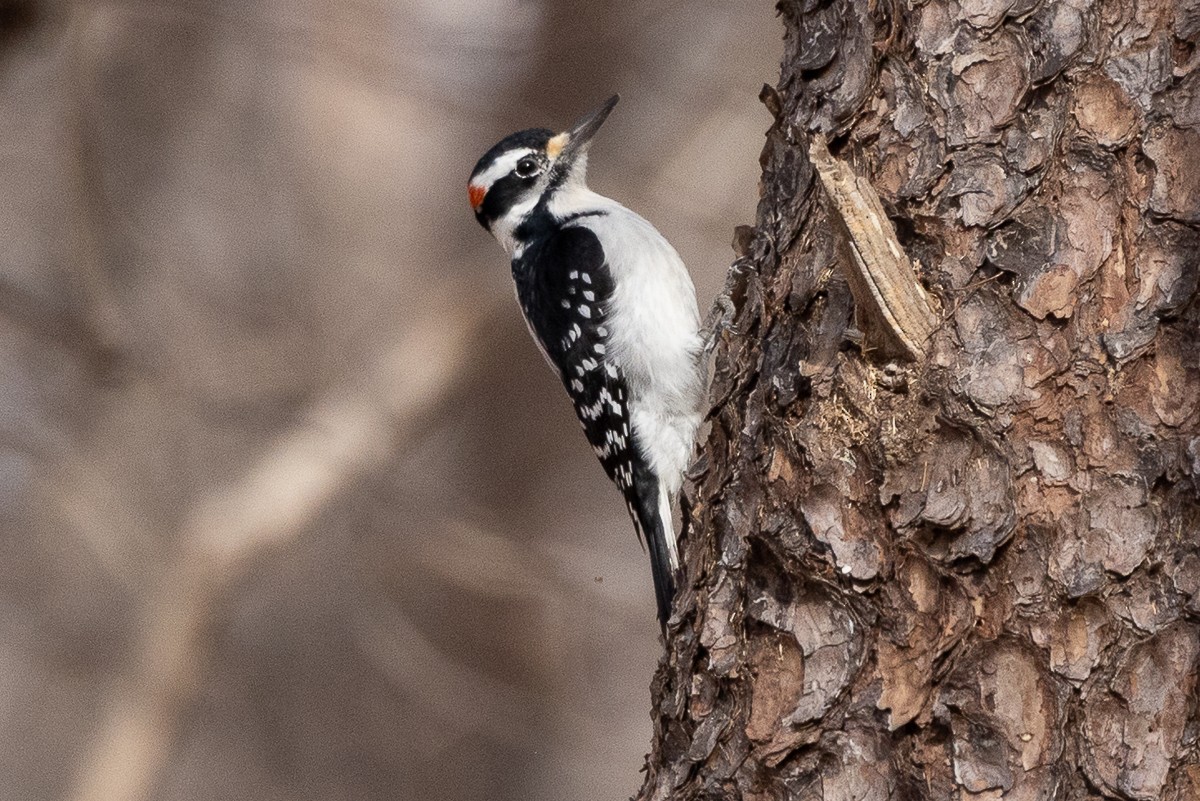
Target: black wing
(565, 287)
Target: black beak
(578, 138)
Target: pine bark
(977, 574)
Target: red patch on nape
(475, 194)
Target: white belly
(654, 338)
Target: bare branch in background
(264, 513)
(352, 429)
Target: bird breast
(654, 333)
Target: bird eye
(528, 167)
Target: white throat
(505, 228)
(571, 196)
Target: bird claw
(719, 320)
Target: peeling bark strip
(979, 579)
(881, 276)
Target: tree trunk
(975, 573)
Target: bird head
(521, 169)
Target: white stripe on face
(500, 168)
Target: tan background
(290, 506)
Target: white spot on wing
(654, 338)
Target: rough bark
(975, 575)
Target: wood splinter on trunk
(899, 314)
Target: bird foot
(719, 320)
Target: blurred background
(290, 506)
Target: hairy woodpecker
(612, 308)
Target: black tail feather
(645, 507)
(664, 576)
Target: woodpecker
(613, 310)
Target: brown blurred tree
(974, 575)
